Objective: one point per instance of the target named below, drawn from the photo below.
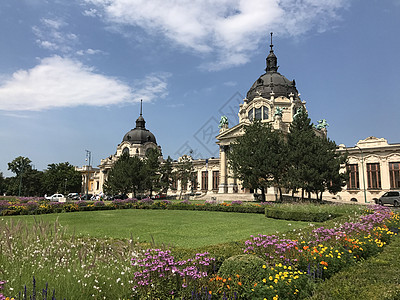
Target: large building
(373, 163)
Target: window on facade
(265, 113)
(353, 182)
(98, 185)
(215, 180)
(204, 180)
(251, 115)
(125, 151)
(257, 114)
(394, 170)
(374, 176)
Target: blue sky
(72, 73)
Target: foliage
(314, 162)
(61, 178)
(19, 165)
(184, 171)
(259, 157)
(166, 174)
(126, 176)
(152, 170)
(247, 268)
(2, 184)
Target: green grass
(188, 229)
(373, 279)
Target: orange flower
(237, 275)
(210, 292)
(324, 263)
(228, 286)
(305, 247)
(239, 283)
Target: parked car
(392, 197)
(73, 196)
(86, 196)
(56, 198)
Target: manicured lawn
(188, 229)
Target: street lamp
(88, 157)
(362, 168)
(65, 185)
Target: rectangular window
(251, 115)
(374, 176)
(215, 180)
(394, 170)
(265, 113)
(257, 114)
(204, 180)
(353, 182)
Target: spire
(272, 61)
(140, 122)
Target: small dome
(139, 136)
(272, 82)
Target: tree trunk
(262, 194)
(280, 194)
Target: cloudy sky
(72, 73)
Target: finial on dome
(272, 61)
(271, 44)
(141, 104)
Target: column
(222, 188)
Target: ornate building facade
(373, 163)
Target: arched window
(251, 115)
(125, 151)
(265, 113)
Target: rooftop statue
(278, 111)
(322, 124)
(298, 112)
(223, 122)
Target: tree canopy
(61, 178)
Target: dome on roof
(139, 135)
(272, 81)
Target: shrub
(248, 267)
(277, 213)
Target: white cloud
(51, 37)
(229, 29)
(63, 82)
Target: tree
(259, 158)
(20, 166)
(61, 178)
(166, 175)
(303, 146)
(126, 176)
(314, 162)
(152, 170)
(184, 171)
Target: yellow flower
(264, 266)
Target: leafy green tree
(167, 176)
(303, 145)
(61, 178)
(20, 166)
(314, 162)
(260, 158)
(328, 163)
(183, 172)
(152, 170)
(126, 176)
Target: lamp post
(88, 157)
(65, 185)
(362, 168)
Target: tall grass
(76, 268)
